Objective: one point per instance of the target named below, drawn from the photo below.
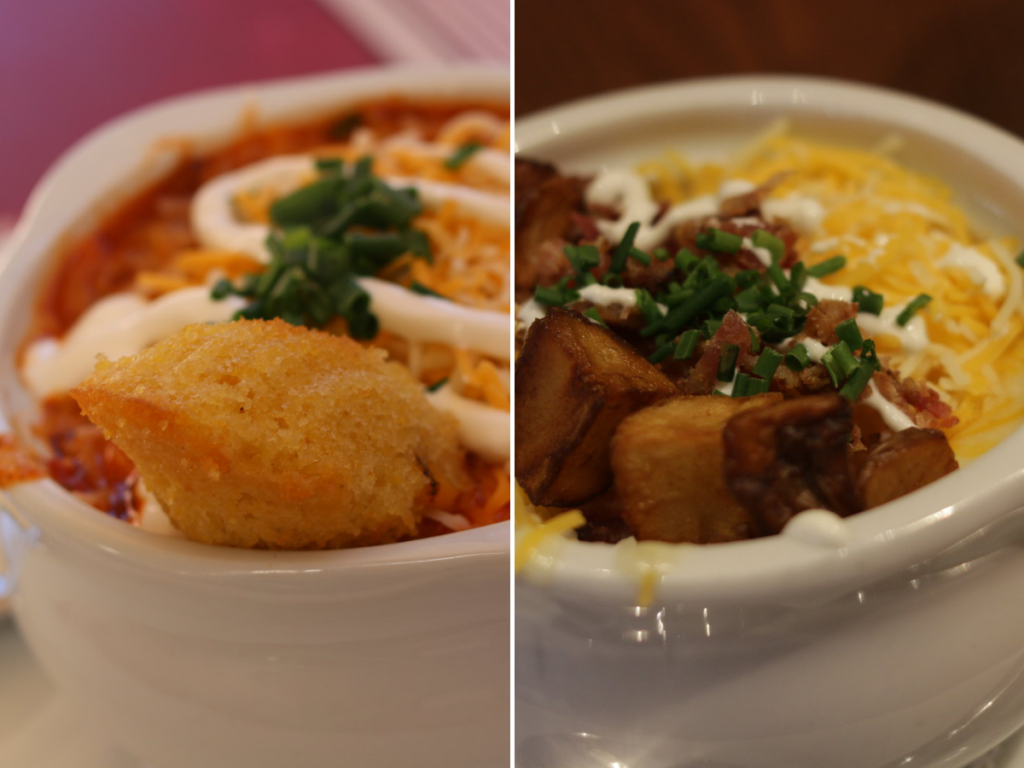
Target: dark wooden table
(966, 53)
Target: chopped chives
(1020, 259)
(867, 300)
(767, 364)
(593, 314)
(554, 296)
(912, 308)
(661, 254)
(712, 239)
(328, 164)
(612, 280)
(661, 353)
(727, 362)
(461, 155)
(681, 315)
(685, 259)
(840, 362)
(827, 267)
(623, 248)
(648, 306)
(710, 328)
(757, 387)
(437, 385)
(798, 275)
(687, 345)
(740, 385)
(768, 241)
(755, 341)
(855, 384)
(849, 332)
(638, 255)
(422, 290)
(797, 358)
(582, 257)
(778, 277)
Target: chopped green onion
(798, 275)
(593, 314)
(757, 387)
(778, 277)
(612, 280)
(712, 239)
(685, 259)
(687, 345)
(867, 300)
(767, 364)
(1020, 259)
(912, 308)
(582, 257)
(755, 341)
(797, 358)
(727, 362)
(461, 155)
(855, 384)
(680, 316)
(839, 362)
(554, 296)
(827, 267)
(437, 385)
(325, 165)
(648, 306)
(768, 241)
(623, 248)
(868, 355)
(710, 327)
(849, 332)
(661, 353)
(422, 290)
(638, 255)
(661, 254)
(739, 387)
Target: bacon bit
(86, 463)
(823, 319)
(703, 377)
(17, 465)
(931, 413)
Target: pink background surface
(67, 66)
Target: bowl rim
(882, 541)
(42, 506)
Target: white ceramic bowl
(190, 655)
(902, 646)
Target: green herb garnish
(912, 309)
(323, 237)
(461, 155)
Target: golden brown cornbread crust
(263, 434)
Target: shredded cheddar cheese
(898, 231)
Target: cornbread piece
(575, 382)
(791, 456)
(667, 461)
(903, 462)
(263, 434)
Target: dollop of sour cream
(118, 325)
(126, 323)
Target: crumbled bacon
(704, 376)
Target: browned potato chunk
(668, 460)
(575, 382)
(901, 463)
(791, 456)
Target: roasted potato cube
(901, 463)
(575, 381)
(791, 456)
(667, 461)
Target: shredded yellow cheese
(894, 227)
